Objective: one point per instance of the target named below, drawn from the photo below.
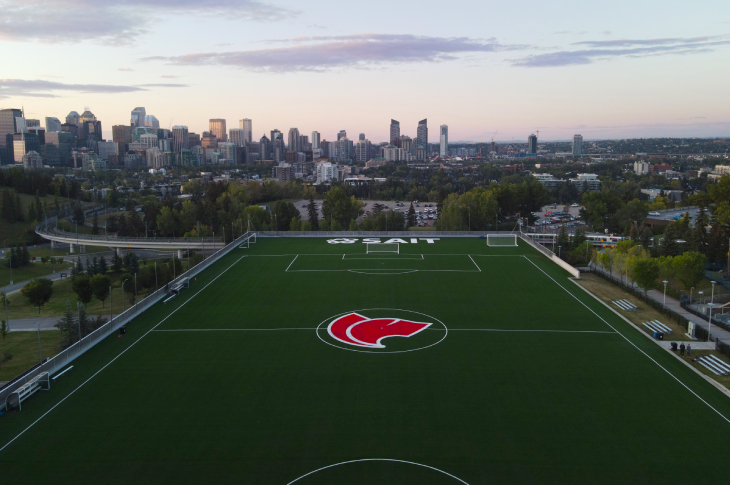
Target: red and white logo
(359, 331)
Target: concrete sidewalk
(46, 323)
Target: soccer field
(303, 361)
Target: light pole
(709, 322)
(713, 291)
(135, 292)
(690, 294)
(123, 296)
(701, 293)
(559, 247)
(665, 292)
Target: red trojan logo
(354, 329)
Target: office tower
(138, 117)
(303, 142)
(29, 123)
(293, 140)
(247, 126)
(315, 140)
(406, 143)
(23, 143)
(228, 152)
(152, 122)
(532, 144)
(8, 122)
(577, 145)
(52, 124)
(20, 125)
(362, 150)
(444, 141)
(342, 134)
(276, 134)
(106, 148)
(193, 140)
(32, 160)
(422, 140)
(237, 136)
(180, 138)
(122, 136)
(142, 130)
(265, 148)
(209, 140)
(394, 130)
(149, 140)
(73, 118)
(217, 127)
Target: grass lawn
(23, 346)
(33, 270)
(643, 313)
(450, 359)
(17, 233)
(724, 380)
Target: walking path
(31, 324)
(674, 305)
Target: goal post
(380, 248)
(502, 240)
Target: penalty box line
(119, 355)
(629, 341)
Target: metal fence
(400, 234)
(54, 364)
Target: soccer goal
(502, 240)
(377, 248)
(249, 240)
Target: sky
(610, 69)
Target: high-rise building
(293, 145)
(29, 123)
(422, 140)
(218, 128)
(209, 140)
(532, 144)
(247, 126)
(106, 148)
(237, 136)
(228, 152)
(193, 140)
(444, 141)
(32, 160)
(315, 140)
(8, 127)
(53, 124)
(577, 145)
(73, 118)
(342, 134)
(265, 148)
(149, 140)
(138, 117)
(122, 136)
(362, 150)
(152, 122)
(276, 134)
(394, 130)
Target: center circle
(382, 331)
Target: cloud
(125, 69)
(120, 22)
(570, 32)
(167, 76)
(48, 89)
(606, 32)
(612, 49)
(325, 53)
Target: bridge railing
(68, 355)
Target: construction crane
(495, 134)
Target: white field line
(411, 270)
(429, 329)
(292, 262)
(406, 254)
(231, 329)
(120, 354)
(475, 264)
(630, 342)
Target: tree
(68, 325)
(128, 286)
(44, 259)
(689, 268)
(3, 329)
(100, 287)
(82, 287)
(116, 262)
(78, 217)
(131, 261)
(103, 267)
(312, 214)
(338, 206)
(645, 272)
(606, 259)
(411, 220)
(38, 292)
(95, 224)
(283, 213)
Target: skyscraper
(53, 125)
(152, 122)
(73, 118)
(293, 140)
(276, 134)
(8, 124)
(422, 140)
(444, 141)
(342, 134)
(180, 138)
(315, 140)
(577, 145)
(247, 126)
(532, 144)
(394, 130)
(217, 127)
(237, 136)
(138, 117)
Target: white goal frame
(502, 236)
(387, 248)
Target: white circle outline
(378, 459)
(446, 333)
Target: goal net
(502, 240)
(375, 248)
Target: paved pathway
(667, 344)
(31, 324)
(674, 305)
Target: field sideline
(506, 372)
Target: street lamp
(665, 292)
(690, 294)
(123, 296)
(709, 322)
(713, 291)
(701, 293)
(559, 250)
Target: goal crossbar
(375, 248)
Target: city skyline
(600, 71)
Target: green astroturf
(235, 386)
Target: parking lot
(550, 218)
(423, 209)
